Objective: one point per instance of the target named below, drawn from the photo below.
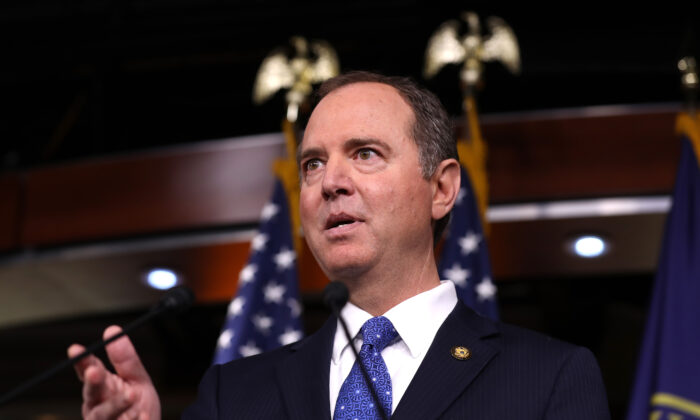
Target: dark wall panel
(547, 157)
(9, 211)
(551, 157)
(220, 183)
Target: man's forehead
(358, 102)
(348, 98)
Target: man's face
(364, 203)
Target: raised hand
(126, 394)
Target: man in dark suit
(379, 176)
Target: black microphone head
(178, 299)
(335, 295)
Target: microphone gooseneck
(176, 299)
(335, 296)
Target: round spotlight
(161, 278)
(589, 246)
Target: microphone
(176, 299)
(335, 296)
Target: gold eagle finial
(297, 73)
(689, 82)
(446, 46)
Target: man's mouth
(341, 219)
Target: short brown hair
(432, 130)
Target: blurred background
(129, 141)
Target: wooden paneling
(614, 151)
(219, 183)
(9, 211)
(545, 157)
(543, 248)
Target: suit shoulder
(513, 335)
(526, 344)
(511, 341)
(564, 370)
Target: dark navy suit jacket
(512, 373)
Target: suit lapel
(303, 375)
(441, 378)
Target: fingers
(111, 408)
(124, 358)
(81, 365)
(110, 396)
(101, 388)
(96, 388)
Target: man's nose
(337, 179)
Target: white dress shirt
(417, 320)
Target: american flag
(266, 311)
(465, 256)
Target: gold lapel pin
(461, 353)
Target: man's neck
(377, 292)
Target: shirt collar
(355, 318)
(416, 319)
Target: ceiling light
(589, 246)
(161, 278)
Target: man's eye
(365, 154)
(312, 164)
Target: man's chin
(347, 270)
(342, 258)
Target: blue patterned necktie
(355, 401)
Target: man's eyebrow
(303, 154)
(354, 143)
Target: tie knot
(378, 332)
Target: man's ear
(445, 183)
